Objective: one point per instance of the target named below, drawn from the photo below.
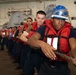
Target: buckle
(52, 66)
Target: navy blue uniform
(55, 67)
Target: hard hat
(60, 12)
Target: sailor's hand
(48, 51)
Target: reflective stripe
(54, 42)
(59, 16)
(49, 40)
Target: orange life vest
(25, 26)
(35, 27)
(3, 32)
(58, 40)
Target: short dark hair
(41, 12)
(21, 23)
(30, 18)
